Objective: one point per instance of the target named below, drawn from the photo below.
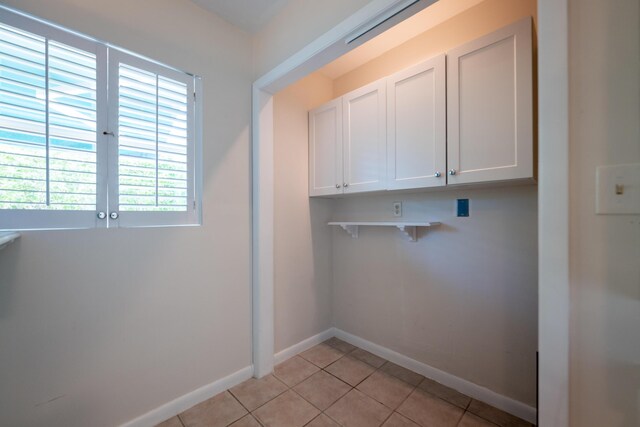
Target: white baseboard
(475, 391)
(186, 401)
(287, 353)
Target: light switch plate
(462, 207)
(618, 189)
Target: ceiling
(428, 18)
(250, 15)
(253, 15)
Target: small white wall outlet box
(618, 189)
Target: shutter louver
(152, 142)
(47, 124)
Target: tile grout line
(311, 403)
(303, 398)
(260, 423)
(291, 388)
(299, 382)
(343, 354)
(238, 400)
(333, 419)
(338, 378)
(245, 415)
(321, 413)
(273, 398)
(403, 400)
(293, 391)
(460, 420)
(461, 417)
(252, 412)
(257, 420)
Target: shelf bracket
(7, 238)
(410, 231)
(351, 229)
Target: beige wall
(468, 25)
(100, 326)
(303, 270)
(461, 299)
(298, 24)
(464, 298)
(604, 250)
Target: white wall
(604, 250)
(100, 326)
(298, 24)
(303, 270)
(461, 299)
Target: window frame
(108, 58)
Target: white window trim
(107, 57)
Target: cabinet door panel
(490, 107)
(365, 138)
(416, 136)
(325, 149)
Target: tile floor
(337, 384)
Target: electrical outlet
(397, 208)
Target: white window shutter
(91, 136)
(49, 119)
(152, 164)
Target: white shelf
(7, 238)
(408, 228)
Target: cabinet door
(364, 124)
(490, 107)
(325, 149)
(416, 128)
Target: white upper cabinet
(416, 126)
(461, 118)
(490, 107)
(325, 149)
(364, 125)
